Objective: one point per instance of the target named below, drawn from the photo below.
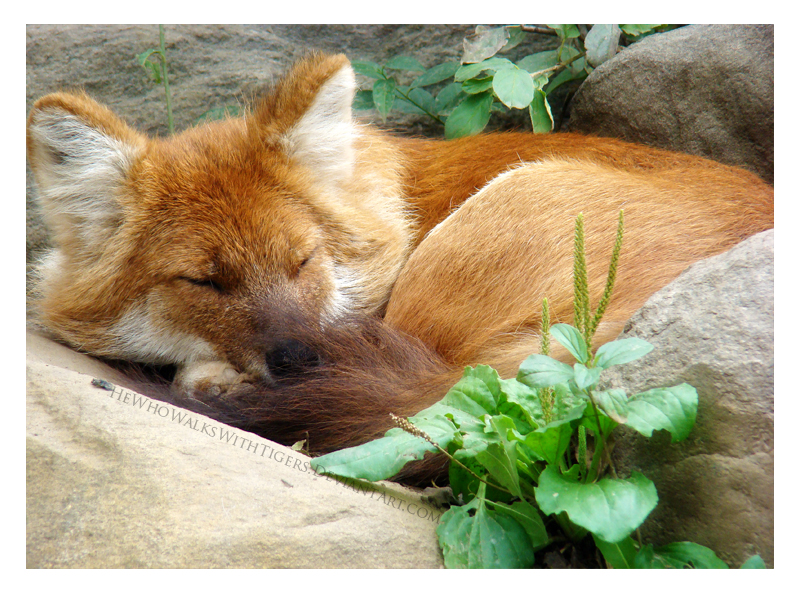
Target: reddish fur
(225, 203)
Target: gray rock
(712, 328)
(701, 89)
(115, 480)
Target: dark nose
(290, 358)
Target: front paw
(212, 377)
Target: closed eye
(307, 259)
(203, 283)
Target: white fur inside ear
(323, 138)
(79, 171)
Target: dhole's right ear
(80, 154)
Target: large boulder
(712, 328)
(701, 89)
(117, 480)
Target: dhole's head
(209, 245)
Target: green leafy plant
(484, 82)
(154, 62)
(530, 456)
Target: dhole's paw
(212, 377)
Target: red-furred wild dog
(234, 248)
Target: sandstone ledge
(117, 480)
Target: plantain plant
(530, 456)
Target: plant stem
(560, 66)
(411, 429)
(418, 106)
(582, 450)
(599, 446)
(170, 124)
(538, 29)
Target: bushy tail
(366, 370)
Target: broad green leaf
(367, 68)
(538, 62)
(436, 74)
(470, 117)
(405, 63)
(473, 86)
(540, 114)
(363, 100)
(621, 351)
(514, 87)
(566, 31)
(400, 104)
(523, 399)
(531, 520)
(422, 98)
(635, 30)
(754, 562)
(617, 555)
(646, 558)
(567, 405)
(501, 463)
(614, 403)
(448, 98)
(611, 508)
(383, 95)
(472, 70)
(678, 555)
(515, 36)
(484, 43)
(586, 377)
(421, 101)
(668, 408)
(550, 442)
(383, 458)
(463, 483)
(601, 43)
(563, 77)
(572, 340)
(477, 392)
(487, 539)
(542, 371)
(454, 531)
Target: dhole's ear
(309, 116)
(80, 154)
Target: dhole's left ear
(80, 154)
(309, 116)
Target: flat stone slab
(115, 479)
